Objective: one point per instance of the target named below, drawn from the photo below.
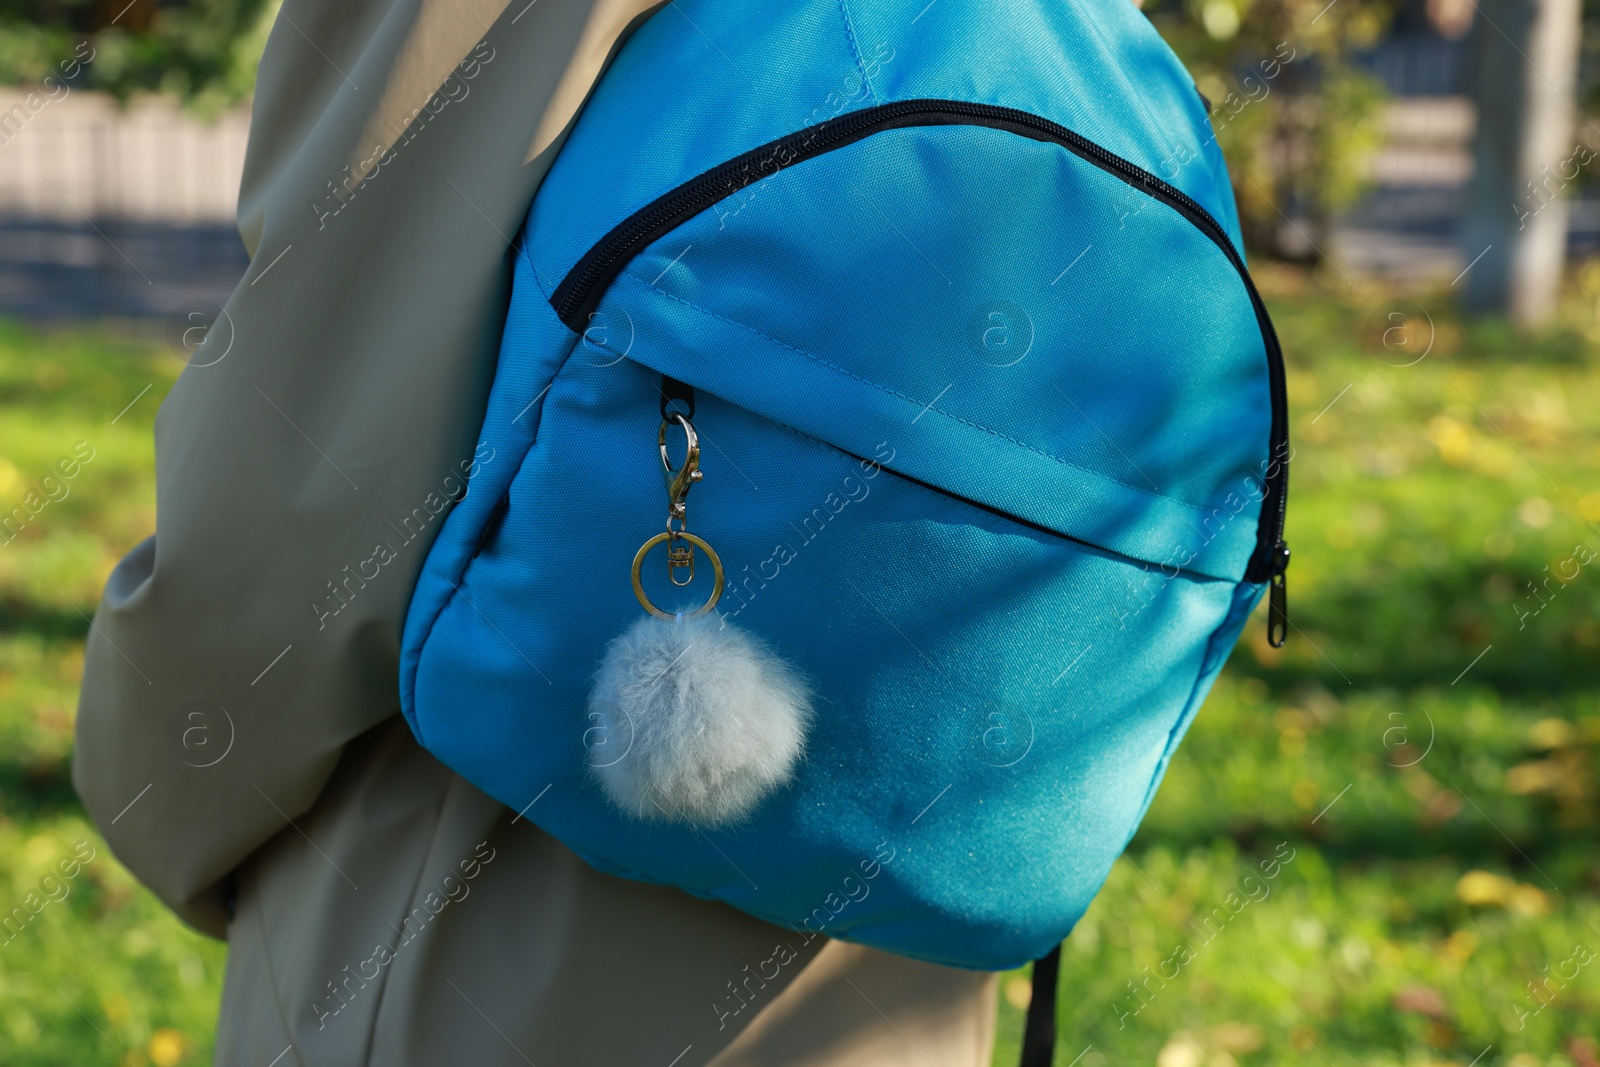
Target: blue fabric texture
(983, 432)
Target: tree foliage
(202, 50)
(1297, 120)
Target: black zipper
(579, 294)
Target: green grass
(1444, 827)
(100, 952)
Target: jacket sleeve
(395, 146)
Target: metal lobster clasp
(681, 544)
(679, 481)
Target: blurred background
(1379, 845)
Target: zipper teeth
(689, 195)
(746, 169)
(1263, 564)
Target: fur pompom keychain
(712, 720)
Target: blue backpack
(939, 310)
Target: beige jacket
(232, 747)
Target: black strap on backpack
(1039, 1038)
(674, 390)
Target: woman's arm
(394, 149)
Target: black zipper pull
(674, 390)
(1278, 597)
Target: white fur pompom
(710, 720)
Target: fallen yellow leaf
(1529, 900)
(167, 1046)
(1451, 438)
(1534, 776)
(1237, 1037)
(1484, 889)
(1550, 733)
(1181, 1050)
(1459, 946)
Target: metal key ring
(716, 571)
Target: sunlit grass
(92, 969)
